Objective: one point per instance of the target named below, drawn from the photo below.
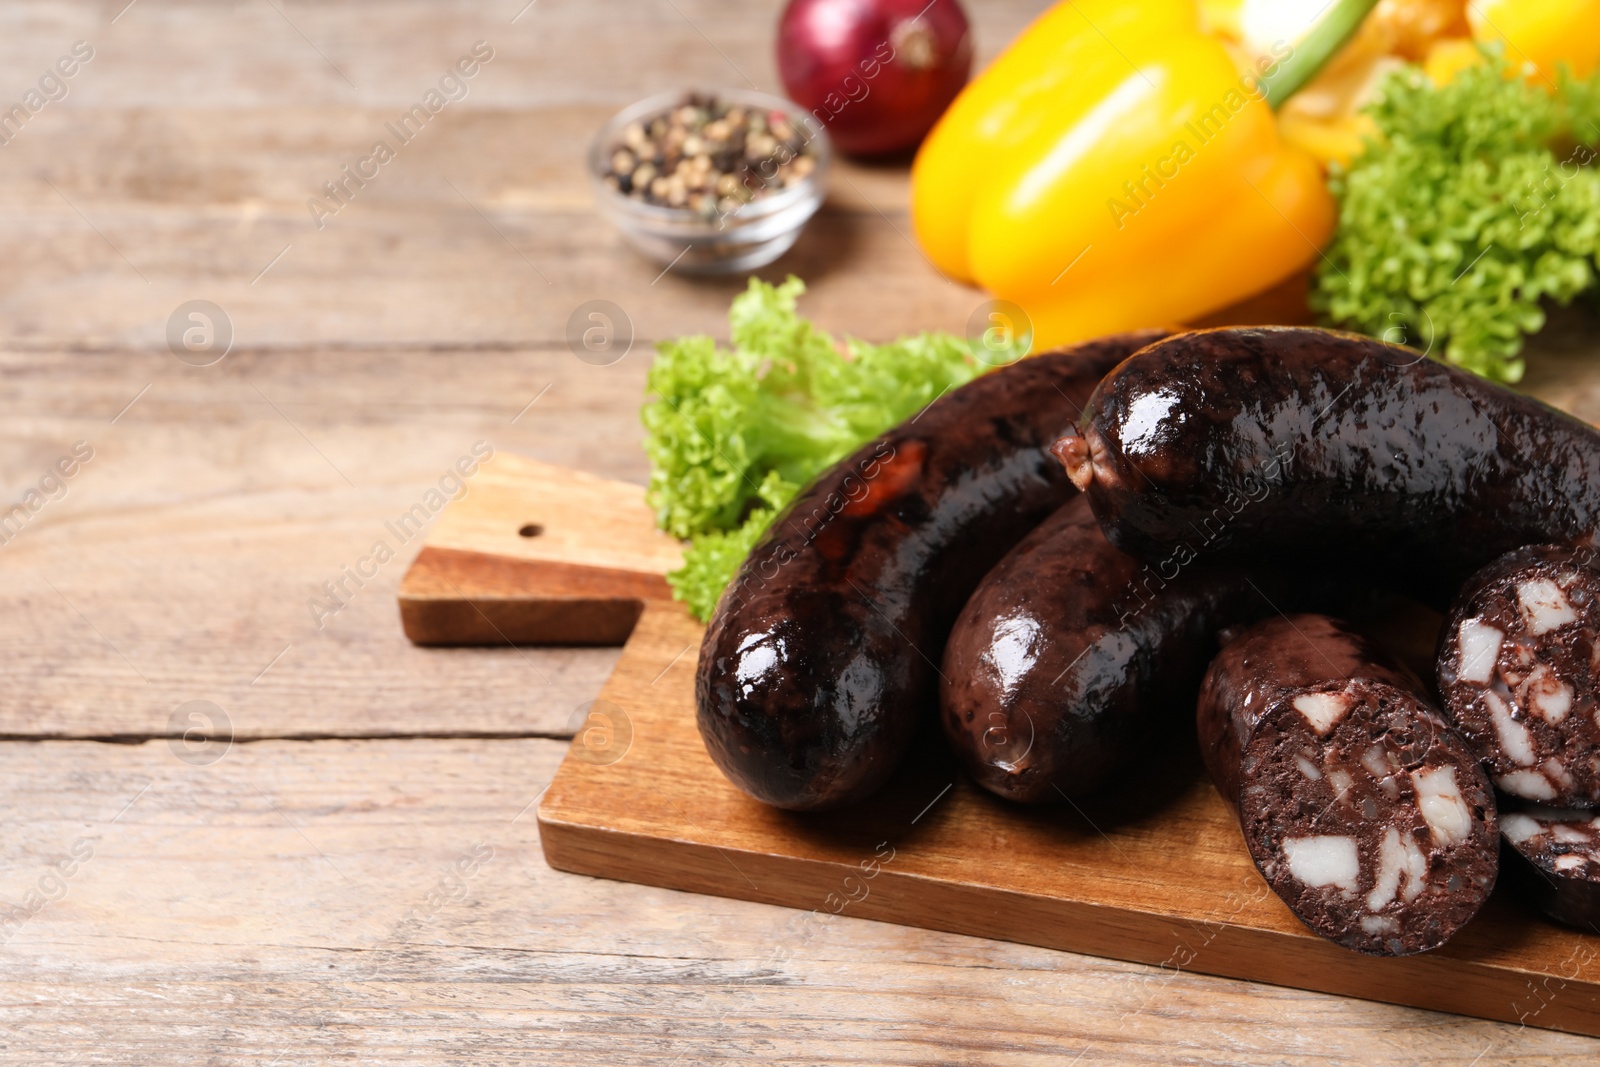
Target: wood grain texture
(184, 559)
(300, 903)
(181, 163)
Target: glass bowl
(748, 236)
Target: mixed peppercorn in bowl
(711, 182)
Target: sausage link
(1553, 860)
(1519, 662)
(1298, 442)
(1362, 810)
(1072, 658)
(819, 661)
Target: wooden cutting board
(539, 555)
(1157, 876)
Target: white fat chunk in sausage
(1514, 738)
(1375, 760)
(1556, 771)
(1401, 868)
(1322, 861)
(1442, 806)
(1528, 784)
(1519, 827)
(1380, 763)
(1572, 835)
(1416, 871)
(1568, 863)
(1322, 710)
(1544, 606)
(1479, 644)
(1341, 782)
(1308, 768)
(1373, 925)
(1548, 696)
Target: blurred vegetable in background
(1325, 117)
(1113, 139)
(733, 434)
(1119, 166)
(1546, 34)
(1476, 201)
(877, 73)
(1013, 100)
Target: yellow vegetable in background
(1121, 164)
(1543, 33)
(1325, 117)
(1144, 184)
(1021, 91)
(1448, 58)
(1405, 28)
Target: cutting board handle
(537, 554)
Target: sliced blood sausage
(1365, 813)
(1555, 860)
(1072, 658)
(1519, 662)
(1298, 441)
(819, 661)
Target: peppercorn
(709, 157)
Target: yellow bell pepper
(1142, 183)
(1325, 118)
(1404, 28)
(1016, 96)
(1450, 57)
(1542, 33)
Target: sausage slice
(1365, 813)
(1519, 660)
(1554, 861)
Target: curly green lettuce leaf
(1476, 202)
(712, 558)
(734, 433)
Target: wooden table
(357, 876)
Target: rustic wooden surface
(286, 903)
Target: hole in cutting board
(532, 529)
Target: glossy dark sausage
(1519, 673)
(1363, 811)
(820, 660)
(1308, 443)
(1072, 659)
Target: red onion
(877, 73)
